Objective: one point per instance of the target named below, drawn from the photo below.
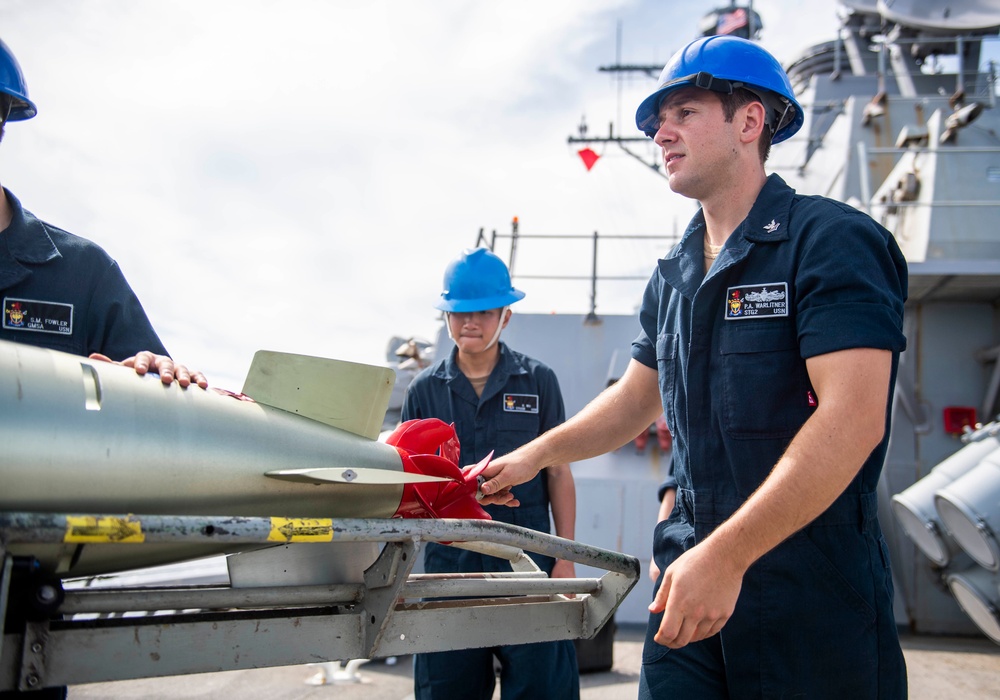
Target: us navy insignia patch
(520, 403)
(757, 301)
(772, 227)
(40, 316)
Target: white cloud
(295, 175)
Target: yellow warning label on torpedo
(301, 530)
(87, 528)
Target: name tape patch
(520, 403)
(757, 301)
(38, 316)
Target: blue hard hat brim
(647, 116)
(12, 84)
(484, 304)
(22, 109)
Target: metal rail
(221, 628)
(594, 277)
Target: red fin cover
(430, 446)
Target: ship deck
(940, 668)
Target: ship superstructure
(901, 122)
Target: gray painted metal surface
(387, 614)
(894, 138)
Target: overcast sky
(295, 175)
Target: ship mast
(734, 20)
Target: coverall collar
(767, 221)
(507, 365)
(683, 268)
(24, 241)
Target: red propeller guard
(430, 446)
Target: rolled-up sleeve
(851, 286)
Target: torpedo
(299, 441)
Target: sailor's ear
(753, 121)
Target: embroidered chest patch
(757, 301)
(39, 316)
(520, 403)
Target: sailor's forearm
(616, 416)
(611, 420)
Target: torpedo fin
(346, 395)
(352, 475)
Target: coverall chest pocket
(666, 368)
(766, 391)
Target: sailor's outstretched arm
(615, 417)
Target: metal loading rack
(66, 637)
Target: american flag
(731, 21)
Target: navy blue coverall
(521, 400)
(62, 292)
(800, 277)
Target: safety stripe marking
(89, 529)
(301, 530)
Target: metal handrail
(594, 277)
(271, 624)
(48, 528)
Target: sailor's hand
(697, 596)
(162, 365)
(503, 497)
(502, 474)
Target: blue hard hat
(723, 63)
(477, 280)
(12, 84)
